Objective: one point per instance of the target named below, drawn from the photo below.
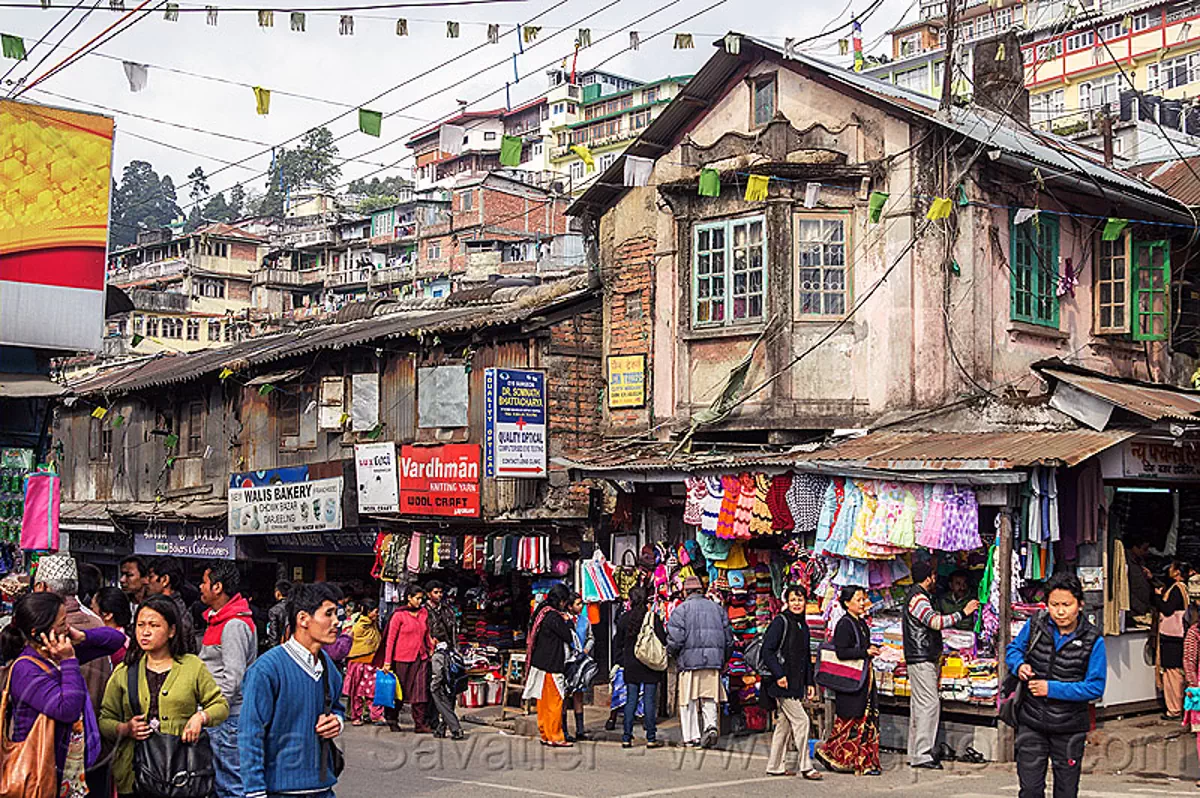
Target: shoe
(610, 725)
(709, 740)
(812, 775)
(1165, 716)
(971, 756)
(439, 733)
(655, 744)
(422, 729)
(568, 737)
(627, 744)
(784, 773)
(945, 753)
(458, 735)
(691, 744)
(873, 772)
(582, 736)
(930, 765)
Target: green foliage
(311, 163)
(142, 201)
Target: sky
(339, 73)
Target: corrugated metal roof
(512, 305)
(200, 509)
(961, 452)
(1044, 149)
(1176, 177)
(1148, 402)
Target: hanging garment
(693, 510)
(781, 515)
(857, 545)
(804, 500)
(961, 528)
(760, 515)
(710, 505)
(847, 517)
(745, 507)
(1090, 502)
(930, 536)
(831, 505)
(731, 491)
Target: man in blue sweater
(292, 706)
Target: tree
(237, 202)
(217, 210)
(310, 164)
(199, 184)
(142, 201)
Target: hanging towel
(637, 170)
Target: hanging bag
(39, 522)
(385, 689)
(648, 649)
(27, 768)
(626, 575)
(164, 766)
(841, 675)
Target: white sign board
(313, 506)
(378, 483)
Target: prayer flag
(683, 41)
(1113, 229)
(100, 412)
(225, 374)
(811, 192)
(210, 15)
(346, 25)
(1000, 52)
(859, 61)
(843, 47)
(117, 421)
(262, 100)
(1023, 215)
(172, 12)
(171, 441)
(637, 170)
(452, 30)
(510, 151)
(297, 18)
(634, 41)
(12, 46)
(584, 39)
(402, 27)
(733, 43)
(137, 339)
(266, 19)
(370, 122)
(585, 155)
(875, 204)
(136, 74)
(450, 139)
(939, 209)
(493, 34)
(265, 389)
(710, 183)
(531, 33)
(756, 187)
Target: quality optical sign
(440, 480)
(514, 423)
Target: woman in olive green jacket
(176, 692)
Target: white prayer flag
(637, 170)
(450, 139)
(811, 192)
(136, 74)
(1024, 215)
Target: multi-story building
(193, 290)
(395, 235)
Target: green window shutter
(1151, 290)
(591, 92)
(1033, 271)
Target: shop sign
(96, 542)
(1146, 460)
(378, 484)
(515, 423)
(626, 381)
(313, 506)
(185, 540)
(323, 543)
(440, 480)
(272, 476)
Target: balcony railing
(288, 278)
(144, 299)
(350, 277)
(159, 270)
(392, 275)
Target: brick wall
(575, 375)
(629, 295)
(535, 213)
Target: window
(764, 100)
(1174, 72)
(489, 135)
(639, 120)
(1107, 33)
(558, 108)
(1078, 41)
(467, 200)
(152, 326)
(1142, 22)
(434, 252)
(1047, 105)
(193, 419)
(914, 79)
(821, 264)
(605, 161)
(193, 329)
(100, 439)
(214, 331)
(729, 276)
(287, 405)
(1112, 286)
(1048, 50)
(910, 45)
(651, 95)
(1003, 18)
(228, 333)
(138, 325)
(1099, 92)
(576, 170)
(297, 425)
(939, 70)
(984, 25)
(1034, 271)
(1151, 279)
(537, 148)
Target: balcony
(392, 275)
(288, 278)
(308, 238)
(350, 279)
(159, 270)
(144, 299)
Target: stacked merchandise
(984, 675)
(14, 465)
(485, 676)
(890, 673)
(397, 554)
(488, 618)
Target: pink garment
(745, 507)
(408, 636)
(39, 524)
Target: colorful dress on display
(693, 511)
(760, 516)
(710, 505)
(847, 516)
(961, 529)
(930, 536)
(745, 507)
(731, 492)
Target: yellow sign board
(626, 381)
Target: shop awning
(277, 378)
(966, 457)
(28, 386)
(207, 508)
(1090, 398)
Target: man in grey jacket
(700, 639)
(229, 646)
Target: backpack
(456, 676)
(753, 653)
(649, 650)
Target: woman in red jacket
(409, 646)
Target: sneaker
(709, 740)
(458, 735)
(610, 725)
(627, 744)
(655, 744)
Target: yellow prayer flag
(531, 33)
(684, 41)
(756, 188)
(262, 100)
(585, 155)
(225, 374)
(939, 208)
(1000, 52)
(100, 412)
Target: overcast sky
(342, 72)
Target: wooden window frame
(1116, 286)
(727, 250)
(757, 82)
(100, 440)
(1042, 278)
(1141, 295)
(193, 414)
(847, 266)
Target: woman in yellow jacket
(176, 692)
(359, 686)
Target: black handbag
(164, 766)
(330, 752)
(580, 671)
(1013, 691)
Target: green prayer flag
(137, 339)
(263, 390)
(1113, 229)
(710, 183)
(955, 268)
(171, 461)
(171, 441)
(370, 122)
(375, 432)
(510, 151)
(13, 46)
(117, 421)
(963, 199)
(875, 205)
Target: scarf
(366, 637)
(537, 624)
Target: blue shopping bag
(385, 689)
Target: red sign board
(440, 480)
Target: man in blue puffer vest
(700, 639)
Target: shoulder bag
(164, 766)
(626, 575)
(1012, 692)
(27, 768)
(841, 675)
(648, 649)
(330, 751)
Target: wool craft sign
(440, 480)
(514, 423)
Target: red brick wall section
(243, 252)
(629, 291)
(534, 214)
(575, 380)
(235, 289)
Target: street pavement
(493, 763)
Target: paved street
(493, 763)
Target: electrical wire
(44, 37)
(371, 7)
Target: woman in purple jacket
(45, 653)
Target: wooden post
(1003, 572)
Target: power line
(17, 83)
(45, 36)
(373, 7)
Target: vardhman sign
(312, 506)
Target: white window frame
(826, 266)
(434, 250)
(1049, 50)
(1185, 65)
(727, 294)
(921, 73)
(910, 45)
(1142, 22)
(1004, 18)
(1081, 40)
(577, 170)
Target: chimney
(997, 79)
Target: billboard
(440, 480)
(514, 434)
(313, 506)
(55, 179)
(378, 486)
